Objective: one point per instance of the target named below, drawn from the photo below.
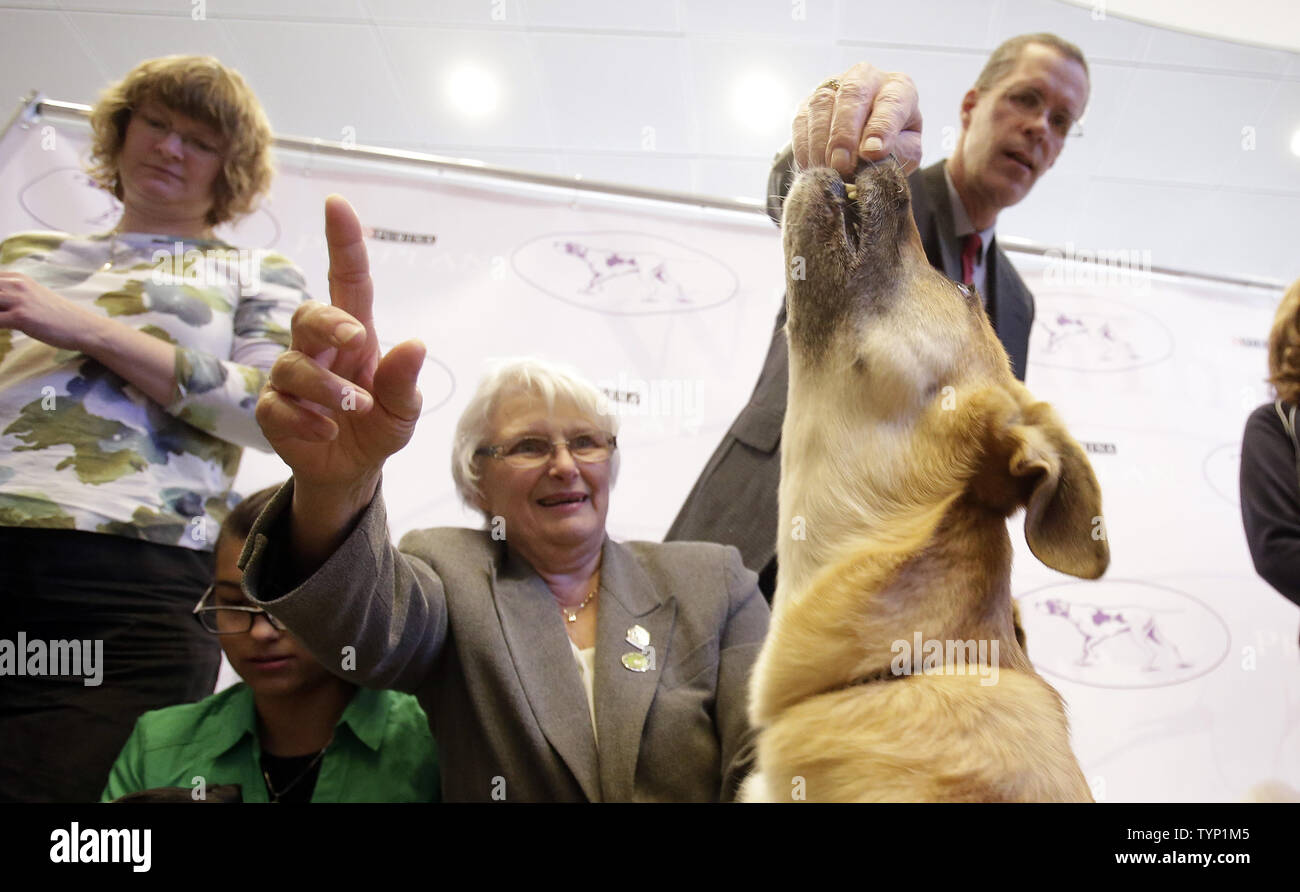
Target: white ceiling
(1271, 23)
(1185, 151)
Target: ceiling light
(473, 91)
(761, 102)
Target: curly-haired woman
(130, 363)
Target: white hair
(549, 381)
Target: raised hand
(864, 113)
(334, 409)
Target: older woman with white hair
(554, 663)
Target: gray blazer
(734, 501)
(470, 628)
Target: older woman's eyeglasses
(224, 619)
(533, 451)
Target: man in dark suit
(1015, 120)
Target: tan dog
(907, 444)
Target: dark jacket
(1270, 501)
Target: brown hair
(1006, 56)
(1284, 347)
(239, 522)
(202, 88)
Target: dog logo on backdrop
(650, 270)
(1221, 469)
(1097, 624)
(1109, 346)
(1095, 334)
(624, 273)
(1122, 634)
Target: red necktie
(970, 252)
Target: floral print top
(80, 447)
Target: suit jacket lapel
(627, 598)
(940, 244)
(543, 659)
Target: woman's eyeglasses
(161, 126)
(533, 451)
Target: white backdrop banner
(1180, 667)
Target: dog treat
(851, 190)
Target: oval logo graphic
(437, 382)
(65, 199)
(624, 273)
(1121, 633)
(1087, 333)
(1222, 469)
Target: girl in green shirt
(292, 731)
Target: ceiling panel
(785, 19)
(954, 23)
(1186, 127)
(488, 13)
(616, 93)
(345, 89)
(303, 10)
(427, 65)
(746, 92)
(1263, 22)
(1106, 38)
(1191, 51)
(119, 43)
(25, 63)
(1264, 160)
(585, 15)
(1253, 233)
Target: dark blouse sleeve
(1270, 501)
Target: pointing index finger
(351, 288)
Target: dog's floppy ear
(1063, 522)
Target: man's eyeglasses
(533, 451)
(1030, 103)
(221, 619)
(160, 126)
